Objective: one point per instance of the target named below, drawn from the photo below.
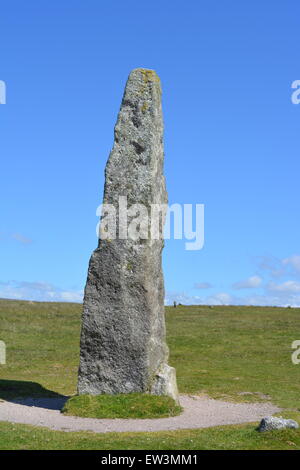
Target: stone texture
(270, 423)
(123, 347)
(164, 382)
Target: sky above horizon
(231, 140)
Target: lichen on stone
(145, 106)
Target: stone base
(164, 383)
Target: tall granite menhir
(123, 347)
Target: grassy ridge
(238, 353)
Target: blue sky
(231, 140)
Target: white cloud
(269, 299)
(272, 300)
(202, 285)
(38, 291)
(181, 298)
(270, 265)
(292, 261)
(250, 283)
(221, 298)
(288, 286)
(277, 268)
(21, 238)
(17, 236)
(71, 296)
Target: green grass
(42, 341)
(226, 351)
(236, 353)
(234, 437)
(133, 405)
(232, 353)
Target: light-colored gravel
(199, 412)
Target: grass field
(236, 437)
(233, 353)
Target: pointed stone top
(142, 93)
(145, 77)
(149, 75)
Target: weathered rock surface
(272, 422)
(123, 347)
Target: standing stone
(123, 347)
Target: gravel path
(199, 412)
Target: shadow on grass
(31, 394)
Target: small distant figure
(175, 304)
